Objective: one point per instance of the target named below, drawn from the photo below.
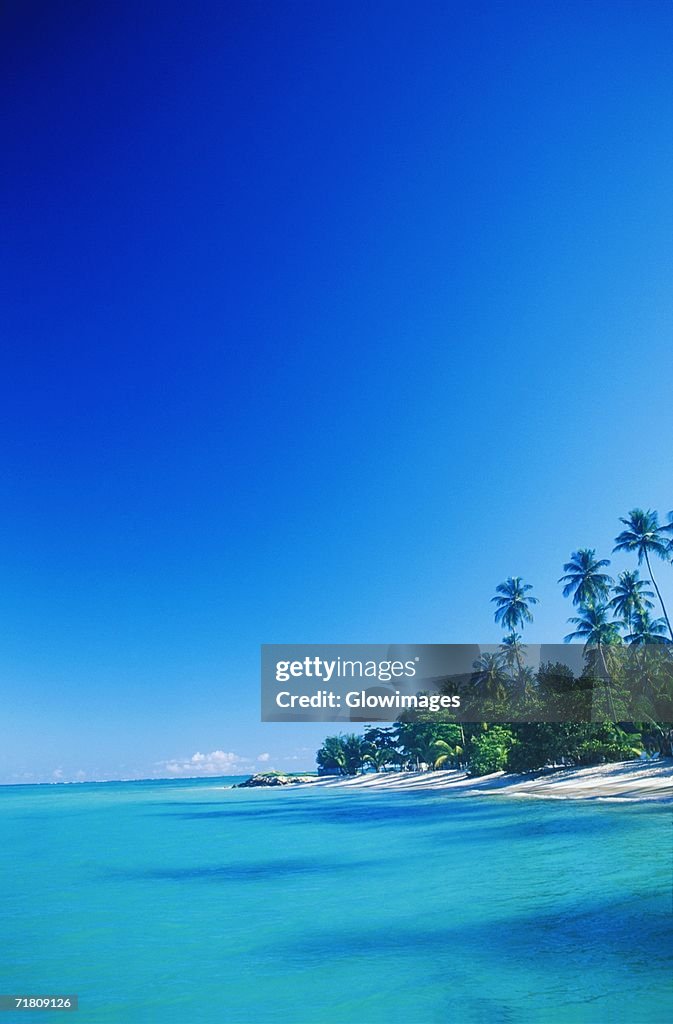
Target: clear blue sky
(319, 320)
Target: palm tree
(434, 753)
(598, 632)
(430, 743)
(331, 757)
(512, 649)
(527, 681)
(646, 630)
(630, 597)
(445, 752)
(354, 749)
(583, 577)
(342, 754)
(489, 678)
(594, 627)
(379, 757)
(513, 600)
(644, 536)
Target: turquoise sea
(191, 902)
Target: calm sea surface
(189, 902)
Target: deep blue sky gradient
(319, 320)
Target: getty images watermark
(344, 671)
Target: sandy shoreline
(630, 781)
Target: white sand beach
(628, 781)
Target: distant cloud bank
(217, 762)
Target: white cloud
(264, 757)
(217, 762)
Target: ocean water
(190, 902)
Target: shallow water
(188, 902)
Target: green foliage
(630, 597)
(380, 757)
(513, 600)
(341, 755)
(594, 626)
(566, 698)
(490, 679)
(644, 536)
(583, 578)
(647, 630)
(488, 752)
(541, 744)
(430, 743)
(382, 739)
(600, 751)
(537, 744)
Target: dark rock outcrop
(272, 779)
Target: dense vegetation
(620, 706)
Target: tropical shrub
(488, 752)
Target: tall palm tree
(647, 630)
(511, 649)
(630, 597)
(644, 535)
(513, 652)
(513, 600)
(583, 577)
(598, 632)
(594, 627)
(489, 678)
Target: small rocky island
(273, 779)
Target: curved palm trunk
(661, 600)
